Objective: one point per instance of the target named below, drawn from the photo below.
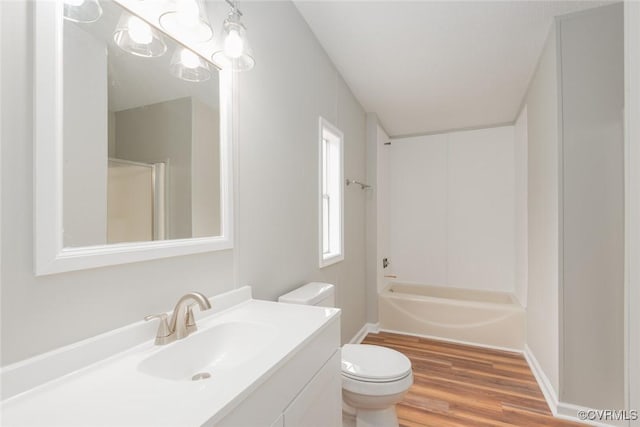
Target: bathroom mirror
(133, 140)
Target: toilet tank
(314, 293)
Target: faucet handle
(164, 332)
(191, 319)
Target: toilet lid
(373, 363)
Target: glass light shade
(187, 65)
(235, 52)
(83, 11)
(136, 37)
(188, 22)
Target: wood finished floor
(463, 386)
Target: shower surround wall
(453, 209)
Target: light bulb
(139, 30)
(233, 44)
(188, 13)
(189, 59)
(83, 11)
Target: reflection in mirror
(141, 135)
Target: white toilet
(374, 378)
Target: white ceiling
(427, 66)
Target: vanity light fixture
(235, 51)
(83, 11)
(187, 65)
(188, 21)
(135, 36)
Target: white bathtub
(492, 319)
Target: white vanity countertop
(114, 392)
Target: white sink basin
(219, 347)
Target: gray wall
(632, 156)
(276, 244)
(205, 170)
(371, 218)
(292, 84)
(373, 249)
(85, 138)
(185, 132)
(520, 138)
(592, 45)
(162, 132)
(378, 213)
(543, 214)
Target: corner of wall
(371, 248)
(542, 215)
(632, 154)
(548, 391)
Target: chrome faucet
(182, 321)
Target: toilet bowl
(374, 378)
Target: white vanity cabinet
(305, 391)
(319, 403)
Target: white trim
(325, 262)
(569, 411)
(368, 328)
(632, 199)
(234, 173)
(334, 258)
(561, 410)
(50, 254)
(547, 389)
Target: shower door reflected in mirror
(141, 146)
(135, 201)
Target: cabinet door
(319, 404)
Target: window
(331, 230)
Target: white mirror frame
(50, 254)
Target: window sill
(330, 260)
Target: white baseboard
(362, 333)
(569, 411)
(562, 410)
(543, 381)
